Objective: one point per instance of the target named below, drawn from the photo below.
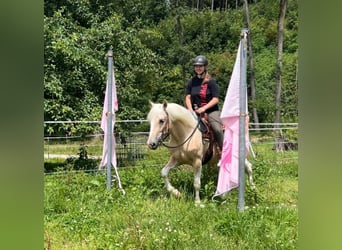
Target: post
(109, 119)
(242, 119)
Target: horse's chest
(185, 157)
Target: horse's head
(159, 124)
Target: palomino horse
(186, 146)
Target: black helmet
(200, 60)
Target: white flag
(104, 123)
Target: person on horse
(202, 97)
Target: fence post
(242, 119)
(109, 119)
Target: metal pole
(242, 119)
(109, 119)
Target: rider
(202, 96)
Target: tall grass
(80, 213)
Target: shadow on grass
(53, 166)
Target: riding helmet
(200, 60)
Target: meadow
(81, 213)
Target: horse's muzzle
(153, 145)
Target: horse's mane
(176, 113)
(180, 113)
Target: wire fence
(131, 148)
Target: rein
(166, 134)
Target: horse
(186, 144)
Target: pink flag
(229, 165)
(104, 124)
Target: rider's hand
(200, 110)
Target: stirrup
(218, 151)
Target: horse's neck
(180, 131)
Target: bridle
(166, 133)
(165, 129)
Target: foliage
(74, 70)
(82, 162)
(153, 43)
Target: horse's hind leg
(164, 172)
(249, 171)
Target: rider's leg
(216, 125)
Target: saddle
(204, 126)
(207, 136)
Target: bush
(82, 162)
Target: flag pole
(109, 119)
(242, 119)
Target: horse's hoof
(199, 204)
(179, 195)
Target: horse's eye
(161, 121)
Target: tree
(153, 44)
(75, 70)
(251, 64)
(280, 36)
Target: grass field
(80, 213)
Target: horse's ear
(151, 104)
(164, 104)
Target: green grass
(68, 147)
(80, 213)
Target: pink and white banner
(229, 164)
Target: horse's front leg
(249, 171)
(197, 179)
(165, 172)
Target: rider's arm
(188, 102)
(210, 104)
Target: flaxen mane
(176, 113)
(180, 113)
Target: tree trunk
(251, 61)
(282, 11)
(181, 42)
